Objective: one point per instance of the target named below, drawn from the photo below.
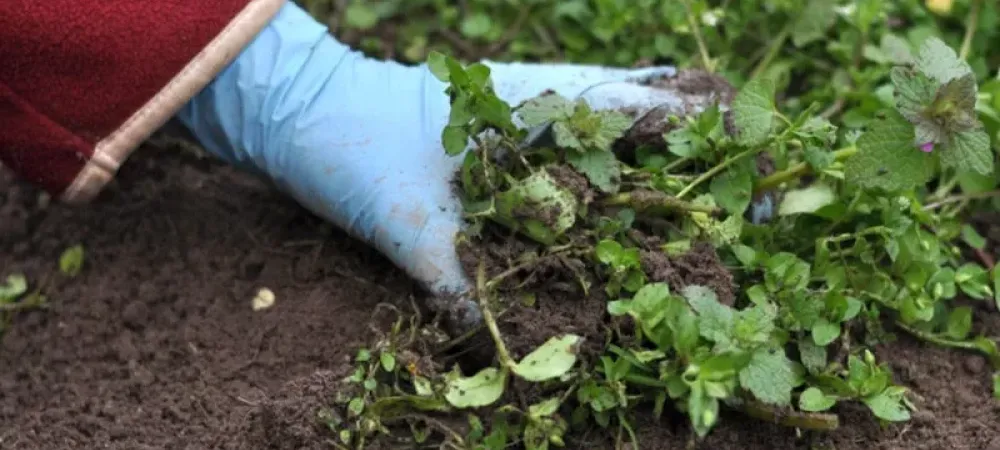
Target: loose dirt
(155, 346)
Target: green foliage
(881, 139)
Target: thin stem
(773, 50)
(645, 199)
(944, 342)
(971, 24)
(717, 170)
(706, 59)
(677, 164)
(491, 324)
(962, 198)
(778, 178)
(792, 419)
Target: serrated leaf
(543, 109)
(551, 360)
(770, 377)
(897, 49)
(599, 166)
(969, 151)
(481, 389)
(814, 400)
(913, 91)
(753, 111)
(806, 200)
(939, 61)
(813, 22)
(887, 158)
(614, 124)
(715, 320)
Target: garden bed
(155, 344)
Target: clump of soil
(697, 90)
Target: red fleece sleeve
(75, 73)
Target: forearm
(84, 82)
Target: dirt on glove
(154, 345)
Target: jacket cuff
(75, 109)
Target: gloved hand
(358, 141)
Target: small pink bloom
(927, 147)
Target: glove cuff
(132, 67)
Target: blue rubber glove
(358, 141)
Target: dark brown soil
(155, 345)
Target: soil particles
(155, 345)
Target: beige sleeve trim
(113, 150)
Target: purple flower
(927, 147)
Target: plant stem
(994, 358)
(717, 170)
(491, 324)
(647, 199)
(776, 179)
(706, 59)
(961, 198)
(971, 24)
(793, 419)
(773, 50)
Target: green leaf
(888, 405)
(476, 25)
(599, 166)
(543, 109)
(455, 139)
(972, 237)
(813, 357)
(770, 377)
(715, 320)
(481, 389)
(360, 15)
(436, 63)
(551, 360)
(814, 400)
(897, 49)
(887, 158)
(753, 112)
(807, 200)
(825, 332)
(959, 323)
(614, 124)
(753, 326)
(816, 18)
(969, 151)
(71, 261)
(913, 92)
(15, 287)
(388, 361)
(939, 61)
(733, 189)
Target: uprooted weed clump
(737, 258)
